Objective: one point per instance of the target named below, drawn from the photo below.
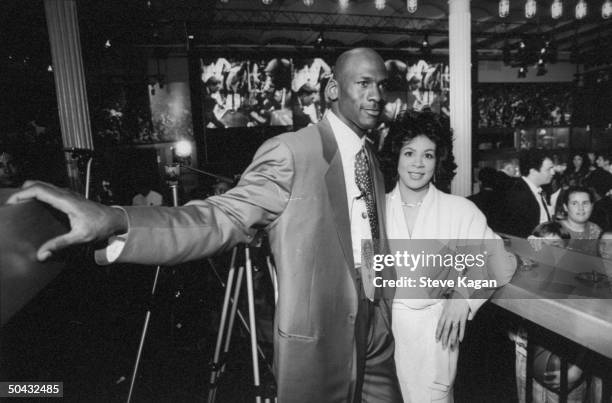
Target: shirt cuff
(114, 247)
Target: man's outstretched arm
(168, 235)
(89, 221)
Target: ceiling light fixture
(541, 68)
(530, 8)
(308, 3)
(556, 9)
(412, 5)
(606, 9)
(504, 8)
(581, 9)
(319, 43)
(425, 46)
(267, 2)
(380, 4)
(343, 3)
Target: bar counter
(554, 294)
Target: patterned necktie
(366, 187)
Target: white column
(63, 28)
(460, 60)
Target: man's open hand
(89, 221)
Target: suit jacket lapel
(336, 189)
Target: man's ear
(331, 90)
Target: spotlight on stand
(183, 149)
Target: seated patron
(578, 206)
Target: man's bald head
(353, 57)
(357, 89)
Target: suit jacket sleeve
(170, 235)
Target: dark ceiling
(291, 25)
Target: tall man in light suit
(310, 191)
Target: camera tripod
(233, 285)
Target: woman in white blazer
(427, 329)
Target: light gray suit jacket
(295, 190)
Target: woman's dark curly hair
(409, 126)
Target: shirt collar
(348, 141)
(535, 189)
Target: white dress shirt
(349, 144)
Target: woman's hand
(451, 326)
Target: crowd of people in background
(503, 105)
(586, 175)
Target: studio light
(530, 8)
(412, 5)
(504, 8)
(380, 4)
(581, 9)
(606, 9)
(183, 149)
(556, 9)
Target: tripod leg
(226, 300)
(243, 321)
(253, 330)
(235, 309)
(143, 336)
(273, 277)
